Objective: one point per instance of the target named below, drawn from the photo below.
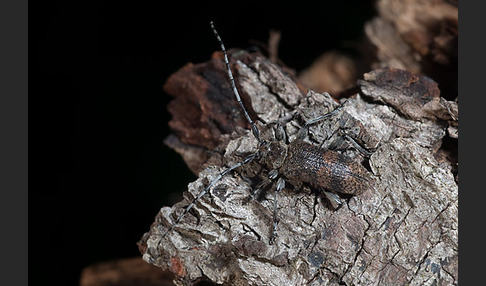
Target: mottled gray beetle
(297, 161)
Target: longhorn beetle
(297, 161)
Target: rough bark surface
(401, 231)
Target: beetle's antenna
(254, 128)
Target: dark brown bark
(125, 272)
(402, 230)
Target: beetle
(297, 161)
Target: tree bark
(402, 230)
(418, 36)
(125, 272)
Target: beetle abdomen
(324, 168)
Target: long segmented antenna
(248, 159)
(254, 128)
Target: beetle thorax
(275, 154)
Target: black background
(98, 170)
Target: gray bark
(401, 231)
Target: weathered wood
(401, 231)
(418, 36)
(125, 272)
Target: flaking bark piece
(415, 97)
(402, 230)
